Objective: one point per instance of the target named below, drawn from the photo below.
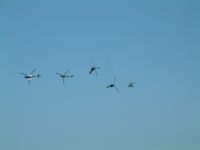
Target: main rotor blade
(66, 71)
(23, 73)
(117, 89)
(114, 80)
(97, 67)
(95, 72)
(92, 63)
(63, 81)
(33, 71)
(59, 74)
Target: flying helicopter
(65, 75)
(30, 76)
(93, 69)
(131, 84)
(113, 85)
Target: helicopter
(131, 84)
(113, 85)
(30, 76)
(93, 69)
(63, 76)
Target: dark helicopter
(65, 75)
(131, 84)
(93, 69)
(113, 85)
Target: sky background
(155, 43)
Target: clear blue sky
(156, 43)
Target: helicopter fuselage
(28, 77)
(63, 76)
(110, 86)
(92, 69)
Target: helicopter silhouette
(93, 69)
(30, 76)
(63, 76)
(131, 84)
(113, 85)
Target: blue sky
(155, 43)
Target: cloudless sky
(155, 43)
